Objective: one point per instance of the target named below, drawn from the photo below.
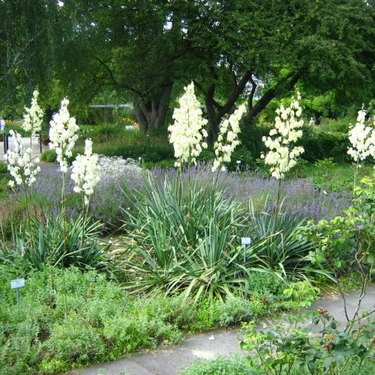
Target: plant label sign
(245, 241)
(18, 283)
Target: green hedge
(318, 144)
(148, 152)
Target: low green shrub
(294, 347)
(318, 144)
(192, 249)
(48, 156)
(68, 319)
(36, 244)
(276, 241)
(234, 365)
(321, 145)
(147, 152)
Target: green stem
(355, 176)
(278, 197)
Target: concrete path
(25, 143)
(209, 345)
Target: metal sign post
(17, 284)
(245, 241)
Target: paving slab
(210, 345)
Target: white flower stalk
(33, 117)
(227, 139)
(362, 139)
(63, 135)
(85, 172)
(282, 155)
(20, 163)
(372, 141)
(187, 132)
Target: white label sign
(19, 283)
(245, 241)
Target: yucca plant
(277, 242)
(42, 243)
(185, 240)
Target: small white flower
(187, 133)
(20, 163)
(282, 156)
(362, 139)
(33, 117)
(84, 172)
(227, 139)
(63, 135)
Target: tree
(320, 45)
(27, 50)
(227, 47)
(133, 46)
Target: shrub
(276, 241)
(234, 365)
(48, 156)
(320, 145)
(147, 152)
(37, 244)
(185, 241)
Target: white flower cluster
(282, 153)
(227, 139)
(362, 139)
(21, 165)
(63, 135)
(84, 172)
(33, 117)
(187, 132)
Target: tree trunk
(152, 112)
(280, 88)
(215, 111)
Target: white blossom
(187, 132)
(63, 135)
(362, 139)
(33, 117)
(20, 163)
(85, 172)
(227, 139)
(282, 153)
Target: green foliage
(68, 319)
(276, 241)
(234, 365)
(290, 347)
(17, 127)
(48, 156)
(320, 145)
(346, 243)
(191, 249)
(339, 125)
(4, 178)
(37, 244)
(148, 152)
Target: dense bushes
(69, 319)
(318, 144)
